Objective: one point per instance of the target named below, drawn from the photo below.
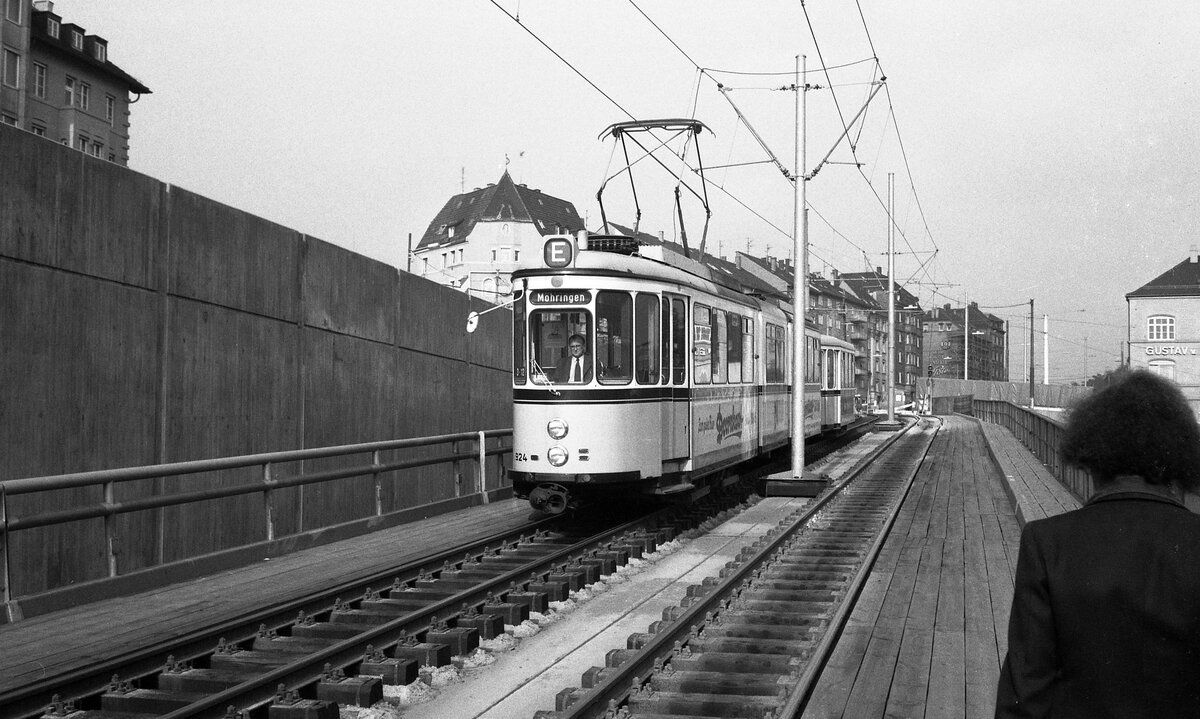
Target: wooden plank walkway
(55, 643)
(930, 629)
(1029, 484)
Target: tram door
(676, 405)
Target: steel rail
(30, 700)
(824, 649)
(615, 687)
(259, 691)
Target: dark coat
(1106, 613)
(562, 373)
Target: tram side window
(747, 350)
(720, 355)
(773, 352)
(665, 348)
(812, 360)
(831, 370)
(702, 344)
(548, 334)
(646, 327)
(735, 347)
(678, 342)
(614, 336)
(519, 368)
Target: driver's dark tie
(575, 371)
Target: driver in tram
(577, 367)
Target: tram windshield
(607, 342)
(549, 332)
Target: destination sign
(560, 297)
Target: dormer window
(449, 230)
(52, 27)
(76, 39)
(101, 52)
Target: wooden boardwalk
(929, 632)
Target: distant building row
(56, 81)
(479, 237)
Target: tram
(640, 371)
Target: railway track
(306, 659)
(752, 642)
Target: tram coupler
(549, 498)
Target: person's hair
(1140, 424)
(577, 336)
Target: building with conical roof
(479, 237)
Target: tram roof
(659, 262)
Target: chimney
(43, 6)
(1194, 254)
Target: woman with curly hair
(1105, 617)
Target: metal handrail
(477, 453)
(1042, 436)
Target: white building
(480, 237)
(1164, 327)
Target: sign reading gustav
(1170, 350)
(560, 297)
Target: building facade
(479, 237)
(57, 82)
(838, 312)
(908, 348)
(965, 343)
(1164, 327)
(853, 307)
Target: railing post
(483, 467)
(4, 553)
(110, 528)
(456, 467)
(378, 484)
(268, 501)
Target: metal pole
(1031, 370)
(1045, 349)
(891, 343)
(800, 283)
(966, 340)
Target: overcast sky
(1043, 150)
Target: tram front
(586, 378)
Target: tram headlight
(557, 455)
(557, 428)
